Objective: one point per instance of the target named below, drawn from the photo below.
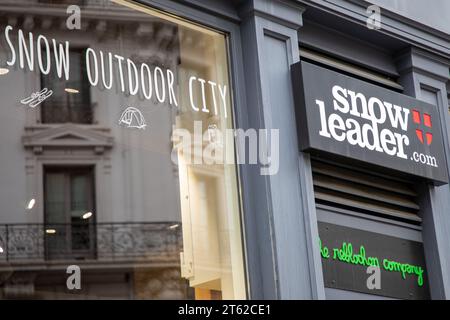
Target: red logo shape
(426, 122)
(419, 134)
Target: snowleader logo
(368, 135)
(339, 115)
(426, 122)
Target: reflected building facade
(109, 195)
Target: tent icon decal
(132, 118)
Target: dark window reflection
(69, 203)
(71, 100)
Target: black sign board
(348, 117)
(347, 254)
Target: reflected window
(68, 207)
(70, 101)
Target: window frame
(84, 91)
(68, 172)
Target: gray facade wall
(433, 13)
(279, 213)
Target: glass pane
(133, 129)
(79, 200)
(55, 198)
(80, 210)
(55, 215)
(65, 106)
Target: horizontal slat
(363, 191)
(340, 186)
(346, 67)
(361, 178)
(325, 196)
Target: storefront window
(113, 184)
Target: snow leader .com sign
(354, 119)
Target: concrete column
(424, 76)
(285, 246)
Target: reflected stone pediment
(67, 136)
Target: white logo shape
(374, 280)
(74, 280)
(74, 20)
(132, 118)
(214, 135)
(37, 98)
(373, 21)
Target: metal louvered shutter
(352, 188)
(342, 66)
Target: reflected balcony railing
(89, 241)
(62, 112)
